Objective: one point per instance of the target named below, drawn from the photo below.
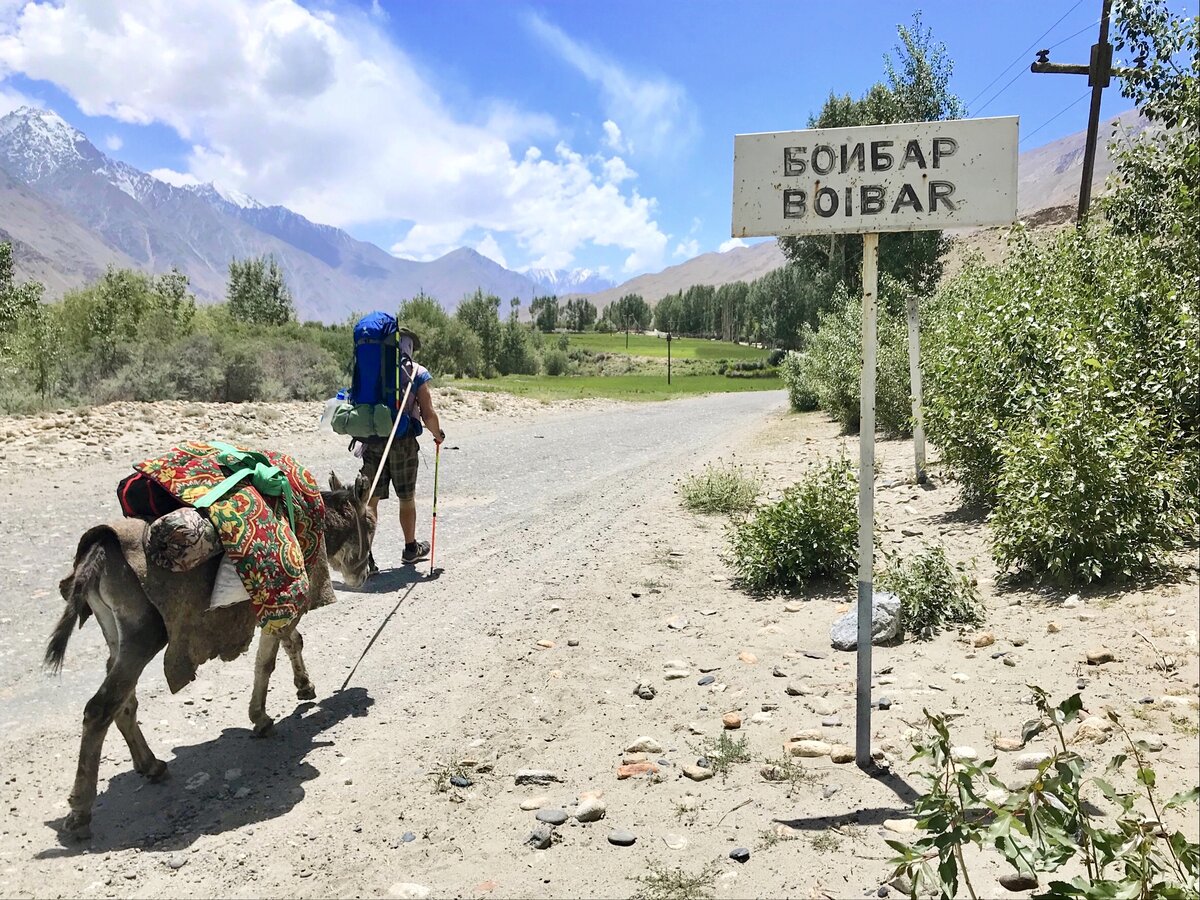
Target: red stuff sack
(141, 497)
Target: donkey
(142, 608)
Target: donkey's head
(349, 528)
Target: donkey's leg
(144, 760)
(264, 665)
(98, 714)
(293, 643)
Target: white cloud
(731, 244)
(489, 248)
(170, 176)
(113, 142)
(320, 111)
(656, 113)
(10, 100)
(687, 249)
(612, 137)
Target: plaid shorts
(401, 466)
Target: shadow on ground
(199, 798)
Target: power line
(1021, 72)
(1024, 53)
(1069, 106)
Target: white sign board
(916, 176)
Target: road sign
(917, 176)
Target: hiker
(401, 466)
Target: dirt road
(561, 528)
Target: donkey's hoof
(308, 692)
(157, 772)
(263, 726)
(78, 826)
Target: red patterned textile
(271, 559)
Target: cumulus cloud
(687, 249)
(656, 114)
(319, 110)
(731, 244)
(613, 137)
(489, 248)
(170, 176)
(113, 142)
(10, 99)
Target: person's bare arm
(428, 416)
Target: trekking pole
(391, 437)
(437, 458)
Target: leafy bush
(810, 533)
(1049, 823)
(932, 593)
(829, 365)
(1064, 391)
(555, 362)
(720, 489)
(802, 395)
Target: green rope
(265, 478)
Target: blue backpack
(374, 381)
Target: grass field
(681, 348)
(616, 387)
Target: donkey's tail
(89, 565)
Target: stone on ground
(644, 745)
(886, 625)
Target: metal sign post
(914, 176)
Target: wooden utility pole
(1099, 72)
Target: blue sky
(558, 135)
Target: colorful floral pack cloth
(267, 509)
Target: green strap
(267, 479)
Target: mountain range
(70, 211)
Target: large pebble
(963, 753)
(536, 776)
(1095, 729)
(706, 679)
(697, 773)
(795, 690)
(634, 769)
(841, 753)
(622, 838)
(1153, 742)
(900, 826)
(646, 691)
(747, 657)
(739, 854)
(983, 639)
(676, 674)
(1097, 656)
(541, 837)
(732, 720)
(1018, 881)
(1032, 760)
(808, 748)
(534, 803)
(823, 706)
(590, 810)
(1008, 745)
(644, 745)
(552, 816)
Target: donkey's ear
(362, 487)
(335, 483)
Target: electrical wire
(1024, 71)
(1069, 106)
(1024, 54)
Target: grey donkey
(142, 608)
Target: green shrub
(555, 362)
(828, 367)
(811, 532)
(1064, 392)
(720, 489)
(802, 395)
(932, 593)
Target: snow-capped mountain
(216, 193)
(558, 282)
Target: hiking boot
(415, 551)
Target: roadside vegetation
(720, 489)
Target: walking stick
(437, 458)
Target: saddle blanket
(270, 518)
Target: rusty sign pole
(866, 499)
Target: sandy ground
(560, 527)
